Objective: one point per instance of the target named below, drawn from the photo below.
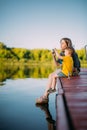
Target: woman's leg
(51, 83)
(52, 77)
(50, 80)
(54, 81)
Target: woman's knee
(52, 75)
(55, 76)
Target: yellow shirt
(67, 65)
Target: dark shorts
(60, 74)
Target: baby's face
(66, 52)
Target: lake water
(18, 92)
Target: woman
(65, 42)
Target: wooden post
(86, 51)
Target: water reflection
(17, 98)
(14, 72)
(49, 119)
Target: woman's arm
(76, 60)
(58, 62)
(55, 61)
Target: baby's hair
(70, 50)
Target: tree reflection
(14, 72)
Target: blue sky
(42, 23)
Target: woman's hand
(53, 54)
(56, 53)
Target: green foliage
(26, 55)
(2, 46)
(81, 54)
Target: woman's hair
(67, 41)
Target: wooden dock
(71, 102)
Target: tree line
(31, 54)
(21, 53)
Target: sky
(42, 23)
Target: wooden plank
(61, 119)
(75, 96)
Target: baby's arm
(58, 55)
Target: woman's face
(63, 45)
